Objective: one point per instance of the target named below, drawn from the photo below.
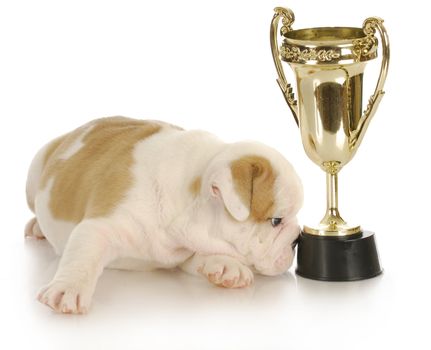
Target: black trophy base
(349, 258)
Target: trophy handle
(370, 25)
(288, 18)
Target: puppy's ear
(253, 179)
(222, 186)
(246, 187)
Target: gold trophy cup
(329, 65)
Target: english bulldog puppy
(140, 195)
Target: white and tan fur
(185, 199)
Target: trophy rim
(324, 36)
(328, 46)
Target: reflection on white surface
(173, 310)
(338, 290)
(160, 290)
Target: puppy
(140, 195)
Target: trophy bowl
(328, 64)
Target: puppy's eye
(276, 221)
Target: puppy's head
(255, 195)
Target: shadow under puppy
(139, 195)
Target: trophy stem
(332, 223)
(332, 218)
(332, 199)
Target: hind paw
(32, 229)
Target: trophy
(328, 64)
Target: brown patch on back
(93, 181)
(195, 186)
(254, 179)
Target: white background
(208, 65)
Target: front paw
(66, 297)
(226, 272)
